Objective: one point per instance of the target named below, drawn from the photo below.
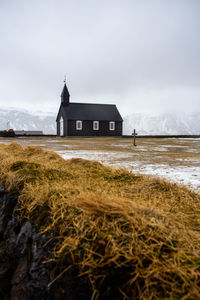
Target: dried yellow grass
(134, 237)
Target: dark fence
(162, 136)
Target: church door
(61, 127)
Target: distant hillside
(25, 120)
(143, 123)
(162, 123)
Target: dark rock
(21, 271)
(19, 281)
(7, 267)
(24, 239)
(2, 190)
(25, 273)
(8, 204)
(70, 287)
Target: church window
(111, 125)
(78, 125)
(95, 125)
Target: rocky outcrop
(24, 272)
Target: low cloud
(141, 55)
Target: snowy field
(175, 159)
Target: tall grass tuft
(133, 237)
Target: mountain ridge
(145, 124)
(27, 120)
(162, 124)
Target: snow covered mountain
(25, 120)
(146, 124)
(166, 124)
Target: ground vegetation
(130, 236)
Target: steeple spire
(65, 94)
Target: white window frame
(112, 125)
(95, 125)
(79, 125)
(61, 126)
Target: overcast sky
(143, 55)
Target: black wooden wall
(87, 129)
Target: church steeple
(65, 95)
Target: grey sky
(143, 55)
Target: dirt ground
(175, 159)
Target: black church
(87, 119)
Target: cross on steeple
(64, 79)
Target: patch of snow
(189, 176)
(101, 156)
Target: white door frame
(61, 126)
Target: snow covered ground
(175, 159)
(189, 176)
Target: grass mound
(133, 237)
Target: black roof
(91, 112)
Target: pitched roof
(91, 112)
